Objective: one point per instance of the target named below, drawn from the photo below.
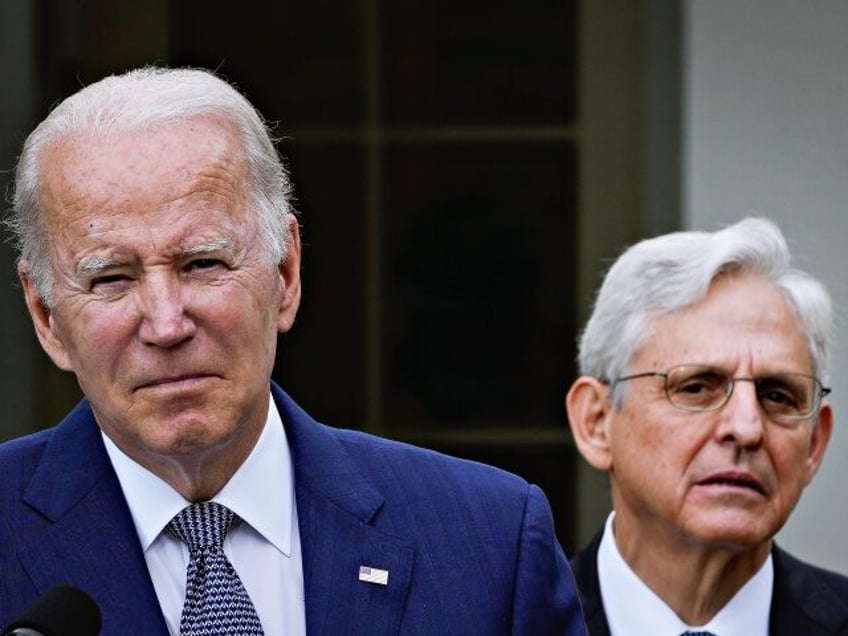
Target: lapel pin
(373, 575)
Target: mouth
(174, 381)
(734, 480)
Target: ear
(588, 406)
(43, 321)
(819, 440)
(290, 277)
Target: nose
(741, 419)
(164, 322)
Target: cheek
(791, 462)
(654, 452)
(95, 337)
(244, 321)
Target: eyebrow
(95, 265)
(215, 245)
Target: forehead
(154, 186)
(142, 168)
(745, 321)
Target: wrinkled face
(729, 477)
(167, 306)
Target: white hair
(133, 101)
(659, 276)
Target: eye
(778, 394)
(108, 282)
(705, 382)
(204, 264)
(696, 387)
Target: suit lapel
(802, 600)
(336, 508)
(787, 617)
(584, 566)
(89, 539)
(334, 546)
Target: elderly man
(188, 494)
(704, 367)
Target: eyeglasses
(788, 397)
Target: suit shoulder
(69, 428)
(819, 594)
(28, 446)
(808, 574)
(19, 460)
(402, 458)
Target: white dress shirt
(264, 547)
(632, 607)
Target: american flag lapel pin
(373, 575)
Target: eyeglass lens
(781, 395)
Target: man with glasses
(704, 369)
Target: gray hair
(659, 276)
(133, 101)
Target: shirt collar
(153, 503)
(632, 607)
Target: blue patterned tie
(216, 602)
(691, 633)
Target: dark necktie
(216, 602)
(691, 633)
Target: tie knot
(202, 525)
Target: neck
(200, 474)
(695, 579)
(197, 480)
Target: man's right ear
(589, 407)
(42, 320)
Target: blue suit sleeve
(545, 600)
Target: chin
(738, 535)
(187, 436)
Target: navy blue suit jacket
(469, 549)
(805, 600)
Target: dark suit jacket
(469, 549)
(806, 600)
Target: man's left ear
(289, 270)
(819, 440)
